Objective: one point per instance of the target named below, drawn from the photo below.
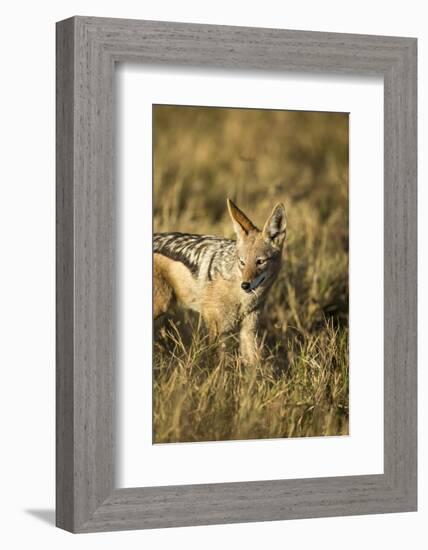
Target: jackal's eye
(241, 262)
(261, 261)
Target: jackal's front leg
(249, 345)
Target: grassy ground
(258, 158)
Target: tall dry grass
(301, 388)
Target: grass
(301, 387)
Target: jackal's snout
(254, 283)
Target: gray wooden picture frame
(87, 51)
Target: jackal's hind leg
(163, 294)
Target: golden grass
(301, 388)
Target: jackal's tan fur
(225, 281)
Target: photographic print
(250, 274)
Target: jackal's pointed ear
(241, 223)
(274, 228)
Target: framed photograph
(236, 274)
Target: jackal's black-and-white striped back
(201, 254)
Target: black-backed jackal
(225, 281)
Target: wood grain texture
(87, 50)
(64, 276)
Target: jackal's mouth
(251, 286)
